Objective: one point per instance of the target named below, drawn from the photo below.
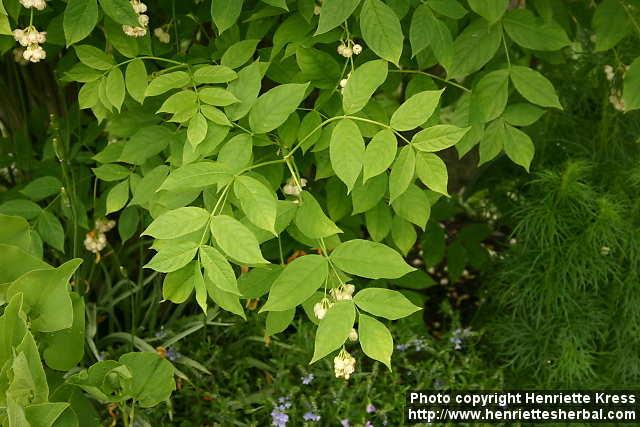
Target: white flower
(444, 281)
(162, 35)
(138, 6)
(347, 52)
(34, 53)
(605, 250)
(343, 292)
(608, 71)
(320, 308)
(357, 49)
(316, 10)
(353, 335)
(104, 225)
(341, 48)
(343, 82)
(134, 31)
(36, 4)
(616, 100)
(344, 365)
(292, 189)
(95, 241)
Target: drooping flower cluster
(36, 4)
(292, 189)
(31, 39)
(615, 98)
(344, 365)
(343, 292)
(349, 49)
(320, 308)
(162, 35)
(143, 20)
(96, 239)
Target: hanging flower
(344, 365)
(143, 20)
(162, 35)
(320, 308)
(36, 4)
(343, 292)
(31, 38)
(353, 335)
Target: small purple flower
(345, 423)
(283, 404)
(368, 424)
(310, 416)
(402, 347)
(306, 380)
(172, 355)
(370, 408)
(278, 418)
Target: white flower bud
(353, 335)
(347, 52)
(319, 310)
(343, 82)
(143, 20)
(357, 49)
(341, 48)
(344, 365)
(316, 10)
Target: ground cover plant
(437, 194)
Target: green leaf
(120, 11)
(334, 329)
(41, 188)
(178, 222)
(94, 57)
(20, 207)
(274, 107)
(522, 114)
(310, 130)
(333, 13)
(610, 23)
(631, 87)
(379, 154)
(200, 288)
(403, 234)
(438, 137)
(146, 142)
(413, 205)
(432, 171)
(50, 229)
(128, 223)
(259, 280)
(297, 282)
(111, 172)
(375, 339)
(492, 142)
(239, 53)
(172, 256)
(364, 81)
(491, 10)
(178, 285)
(197, 129)
(185, 100)
(117, 196)
(115, 88)
(218, 270)
(151, 376)
(346, 151)
(88, 95)
(226, 300)
(416, 110)
(80, 17)
(448, 8)
(474, 47)
(215, 115)
(136, 79)
(278, 321)
(369, 259)
(518, 147)
(217, 96)
(311, 220)
(366, 196)
(236, 153)
(214, 74)
(427, 30)
(144, 191)
(318, 66)
(165, 82)
(489, 96)
(236, 240)
(246, 88)
(378, 221)
(47, 303)
(225, 13)
(385, 303)
(534, 33)
(381, 30)
(402, 172)
(257, 201)
(64, 349)
(197, 175)
(534, 87)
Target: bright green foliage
(263, 128)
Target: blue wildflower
(279, 418)
(310, 416)
(370, 408)
(345, 423)
(306, 380)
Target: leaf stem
(433, 76)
